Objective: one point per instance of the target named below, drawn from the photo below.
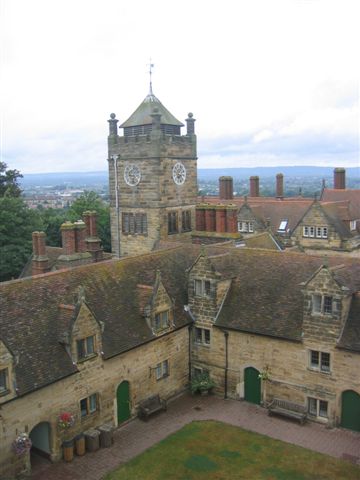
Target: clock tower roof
(142, 115)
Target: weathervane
(151, 65)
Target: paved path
(136, 436)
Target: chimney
(226, 188)
(40, 261)
(279, 185)
(339, 179)
(80, 236)
(190, 124)
(93, 242)
(68, 238)
(254, 186)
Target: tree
(9, 185)
(17, 222)
(52, 219)
(90, 200)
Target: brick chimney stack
(40, 261)
(93, 242)
(279, 185)
(226, 188)
(68, 238)
(339, 179)
(254, 186)
(80, 236)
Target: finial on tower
(150, 65)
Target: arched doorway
(350, 410)
(40, 439)
(123, 401)
(252, 384)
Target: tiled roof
(265, 298)
(350, 195)
(350, 339)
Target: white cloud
(260, 70)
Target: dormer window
(246, 227)
(161, 320)
(202, 287)
(322, 304)
(85, 347)
(4, 380)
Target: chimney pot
(279, 185)
(226, 188)
(339, 179)
(254, 186)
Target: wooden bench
(287, 409)
(151, 405)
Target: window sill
(88, 416)
(317, 370)
(163, 377)
(88, 357)
(201, 344)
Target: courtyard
(136, 436)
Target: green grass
(212, 450)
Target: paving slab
(136, 436)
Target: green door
(252, 385)
(350, 410)
(123, 402)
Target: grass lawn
(214, 450)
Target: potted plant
(202, 383)
(22, 444)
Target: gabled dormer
(206, 289)
(248, 221)
(159, 307)
(7, 373)
(83, 339)
(326, 305)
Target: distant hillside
(90, 179)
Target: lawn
(214, 450)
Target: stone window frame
(315, 231)
(320, 361)
(318, 407)
(186, 221)
(4, 381)
(162, 370)
(322, 304)
(196, 370)
(173, 224)
(202, 336)
(88, 403)
(202, 287)
(134, 223)
(161, 320)
(87, 352)
(245, 226)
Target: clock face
(132, 174)
(179, 173)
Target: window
(88, 405)
(322, 304)
(202, 336)
(134, 223)
(283, 226)
(3, 380)
(246, 227)
(186, 221)
(162, 370)
(352, 225)
(320, 361)
(317, 408)
(202, 288)
(312, 231)
(161, 320)
(172, 222)
(85, 347)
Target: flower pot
(80, 445)
(68, 450)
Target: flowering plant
(265, 374)
(201, 382)
(22, 444)
(66, 420)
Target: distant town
(60, 190)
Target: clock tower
(152, 178)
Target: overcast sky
(270, 82)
